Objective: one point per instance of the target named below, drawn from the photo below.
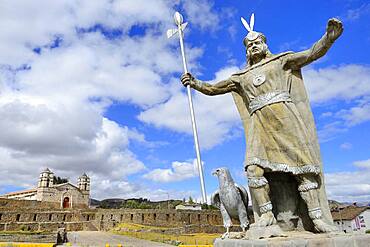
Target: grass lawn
(143, 232)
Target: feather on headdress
(252, 35)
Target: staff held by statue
(171, 32)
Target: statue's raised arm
(333, 30)
(221, 87)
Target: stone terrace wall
(11, 204)
(40, 216)
(26, 215)
(107, 218)
(33, 238)
(46, 220)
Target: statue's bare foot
(321, 226)
(266, 219)
(225, 235)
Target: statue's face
(256, 47)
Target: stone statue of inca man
(278, 121)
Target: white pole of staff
(180, 28)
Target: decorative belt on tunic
(268, 98)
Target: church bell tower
(46, 181)
(84, 186)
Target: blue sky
(94, 87)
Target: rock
(265, 232)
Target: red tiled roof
(347, 213)
(20, 192)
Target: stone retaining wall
(18, 215)
(155, 217)
(30, 238)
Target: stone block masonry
(304, 240)
(18, 215)
(30, 238)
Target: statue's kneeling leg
(308, 189)
(260, 189)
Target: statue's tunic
(278, 139)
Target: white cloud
(200, 13)
(350, 186)
(27, 24)
(348, 83)
(354, 14)
(217, 117)
(365, 164)
(105, 153)
(180, 171)
(53, 101)
(330, 130)
(337, 83)
(355, 115)
(108, 188)
(346, 146)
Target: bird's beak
(215, 172)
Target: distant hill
(140, 203)
(335, 204)
(143, 203)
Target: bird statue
(231, 199)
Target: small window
(1, 216)
(88, 217)
(111, 216)
(34, 217)
(102, 217)
(154, 216)
(18, 217)
(50, 217)
(132, 217)
(142, 217)
(64, 217)
(121, 217)
(198, 217)
(167, 217)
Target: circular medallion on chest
(259, 79)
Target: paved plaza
(99, 239)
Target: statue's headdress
(252, 35)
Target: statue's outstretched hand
(334, 29)
(187, 79)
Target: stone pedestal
(265, 232)
(301, 239)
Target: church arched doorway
(66, 203)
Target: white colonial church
(66, 194)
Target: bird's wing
(215, 199)
(244, 194)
